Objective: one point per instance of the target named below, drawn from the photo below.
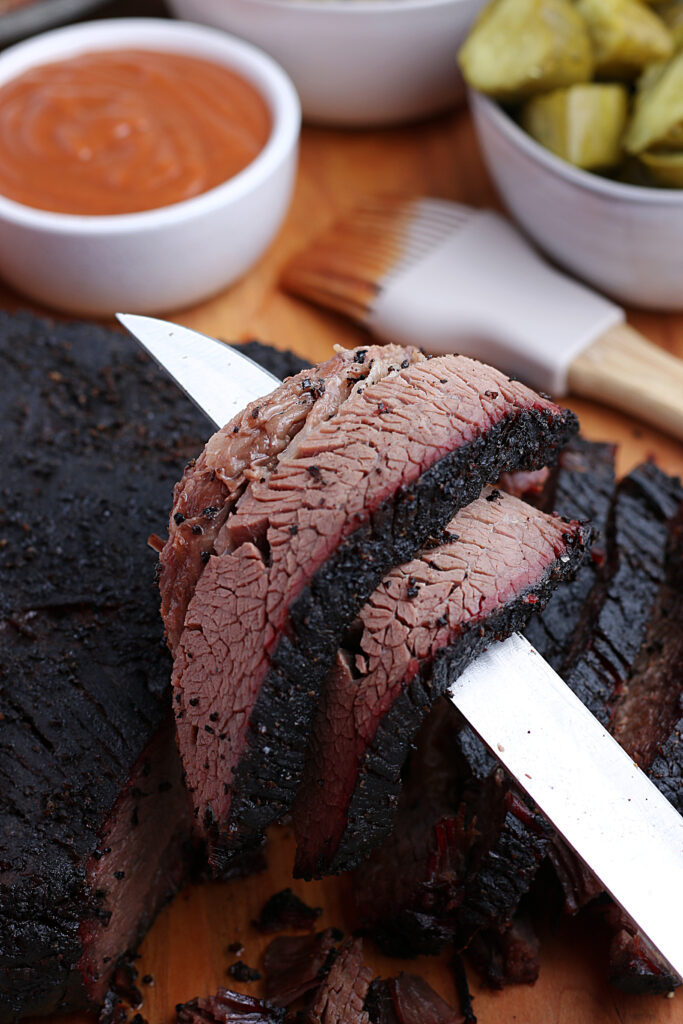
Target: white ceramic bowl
(354, 62)
(625, 240)
(173, 256)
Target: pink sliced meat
(308, 542)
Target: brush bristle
(348, 265)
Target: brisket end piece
(93, 818)
(305, 548)
(415, 635)
(341, 997)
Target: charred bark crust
(93, 438)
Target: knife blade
(596, 797)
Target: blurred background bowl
(173, 256)
(354, 62)
(626, 240)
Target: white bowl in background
(626, 240)
(173, 256)
(354, 62)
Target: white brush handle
(625, 370)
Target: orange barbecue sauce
(123, 131)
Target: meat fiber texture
(415, 635)
(92, 815)
(358, 490)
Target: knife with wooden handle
(603, 805)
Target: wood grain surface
(186, 950)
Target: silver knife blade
(587, 786)
(608, 811)
(217, 378)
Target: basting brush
(452, 278)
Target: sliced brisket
(249, 448)
(597, 663)
(416, 633)
(306, 546)
(341, 997)
(580, 487)
(93, 819)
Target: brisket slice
(598, 662)
(305, 548)
(341, 997)
(249, 447)
(580, 487)
(93, 818)
(414, 636)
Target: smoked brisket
(93, 819)
(414, 636)
(309, 541)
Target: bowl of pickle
(578, 107)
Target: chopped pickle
(626, 35)
(672, 15)
(664, 168)
(657, 120)
(583, 124)
(521, 47)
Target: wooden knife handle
(625, 370)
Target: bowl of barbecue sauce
(144, 164)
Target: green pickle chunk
(583, 124)
(521, 47)
(626, 36)
(657, 121)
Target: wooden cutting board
(186, 950)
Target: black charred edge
(617, 612)
(504, 876)
(580, 487)
(378, 1003)
(667, 768)
(265, 784)
(635, 966)
(373, 804)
